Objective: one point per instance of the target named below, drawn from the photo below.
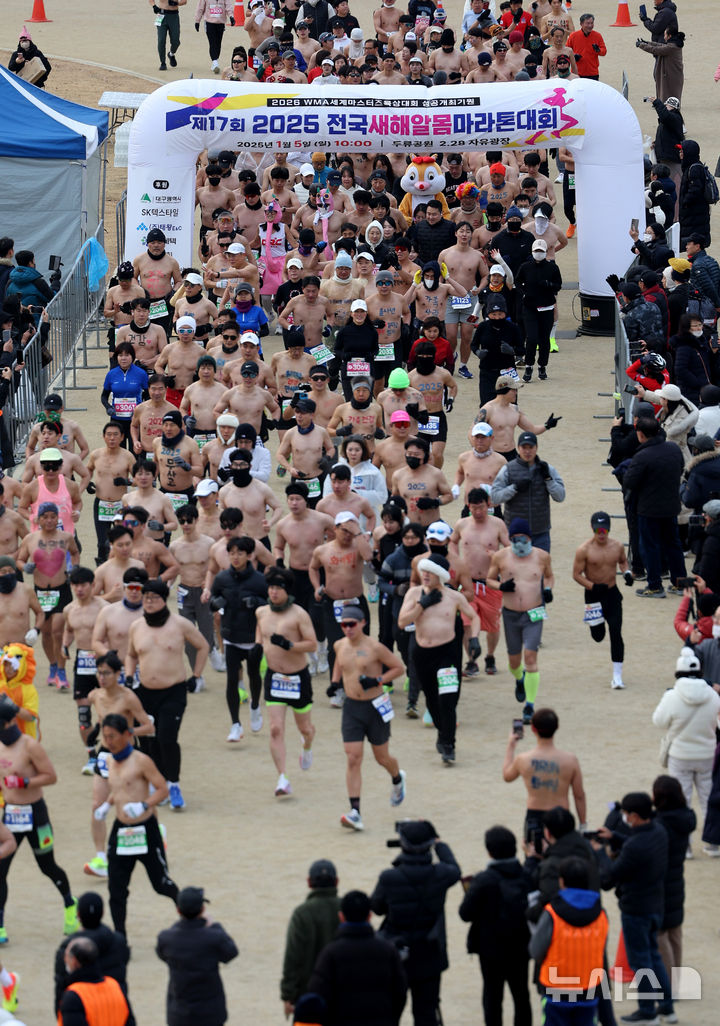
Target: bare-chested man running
(503, 416)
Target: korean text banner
(292, 118)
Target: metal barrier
(120, 209)
(75, 316)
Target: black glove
(366, 683)
(516, 16)
(577, 56)
(156, 9)
(552, 422)
(327, 330)
(346, 429)
(326, 464)
(596, 48)
(379, 433)
(92, 735)
(645, 359)
(614, 282)
(412, 409)
(216, 602)
(544, 469)
(280, 562)
(425, 502)
(183, 464)
(232, 21)
(522, 485)
(481, 354)
(430, 598)
(295, 400)
(281, 642)
(508, 585)
(190, 422)
(474, 649)
(155, 525)
(638, 42)
(629, 579)
(91, 489)
(449, 403)
(507, 350)
(197, 26)
(547, 596)
(110, 411)
(224, 473)
(119, 482)
(169, 381)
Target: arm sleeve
(264, 464)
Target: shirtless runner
(16, 604)
(80, 617)
(109, 577)
(480, 465)
(503, 416)
(192, 552)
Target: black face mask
(193, 299)
(253, 206)
(415, 550)
(241, 478)
(214, 181)
(413, 462)
(425, 364)
(131, 605)
(171, 443)
(360, 405)
(439, 550)
(137, 329)
(494, 226)
(157, 619)
(153, 256)
(513, 227)
(8, 583)
(232, 349)
(9, 735)
(285, 605)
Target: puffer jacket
(665, 18)
(643, 320)
(689, 710)
(694, 208)
(679, 824)
(678, 424)
(703, 477)
(242, 592)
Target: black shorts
(40, 834)
(274, 694)
(64, 598)
(442, 429)
(361, 720)
(83, 683)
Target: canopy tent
(51, 167)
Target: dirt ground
(248, 849)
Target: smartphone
(686, 582)
(6, 335)
(591, 835)
(517, 726)
(695, 520)
(643, 11)
(630, 389)
(634, 224)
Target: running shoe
(236, 733)
(465, 373)
(672, 590)
(322, 657)
(448, 754)
(490, 667)
(520, 688)
(283, 786)
(306, 758)
(256, 720)
(528, 710)
(542, 373)
(61, 681)
(172, 60)
(427, 719)
(471, 669)
(72, 924)
(52, 675)
(96, 867)
(177, 802)
(527, 376)
(89, 767)
(411, 711)
(648, 1018)
(570, 233)
(397, 791)
(10, 999)
(352, 820)
(4, 936)
(711, 850)
(215, 68)
(217, 660)
(650, 592)
(163, 67)
(617, 685)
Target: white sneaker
(306, 759)
(712, 850)
(689, 852)
(617, 685)
(215, 68)
(283, 786)
(352, 820)
(236, 733)
(256, 720)
(278, 330)
(313, 663)
(397, 792)
(217, 660)
(322, 658)
(338, 699)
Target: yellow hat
(680, 264)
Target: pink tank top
(62, 500)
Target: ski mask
(8, 583)
(425, 364)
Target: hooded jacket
(490, 336)
(705, 276)
(29, 284)
(654, 254)
(193, 950)
(654, 478)
(312, 926)
(495, 906)
(694, 208)
(243, 591)
(679, 824)
(671, 127)
(665, 18)
(690, 711)
(703, 477)
(708, 563)
(679, 423)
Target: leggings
(40, 839)
(167, 706)
(611, 601)
(233, 660)
(538, 325)
(120, 869)
(428, 661)
(215, 37)
(568, 197)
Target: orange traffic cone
(621, 971)
(239, 14)
(622, 18)
(38, 12)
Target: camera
(695, 520)
(54, 265)
(591, 835)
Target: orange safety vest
(104, 1002)
(575, 953)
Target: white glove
(31, 636)
(101, 811)
(134, 809)
(455, 491)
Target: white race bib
(384, 707)
(108, 509)
(124, 407)
(48, 599)
(321, 353)
(460, 302)
(448, 683)
(358, 369)
(510, 372)
(18, 818)
(177, 499)
(216, 10)
(432, 427)
(158, 308)
(159, 19)
(386, 352)
(593, 615)
(102, 764)
(181, 593)
(85, 663)
(284, 687)
(131, 840)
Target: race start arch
(594, 121)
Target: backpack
(711, 193)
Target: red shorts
(487, 603)
(174, 396)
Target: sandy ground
(250, 851)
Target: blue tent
(51, 170)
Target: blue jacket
(128, 384)
(29, 284)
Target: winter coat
(515, 247)
(671, 127)
(29, 284)
(679, 824)
(532, 502)
(678, 424)
(359, 341)
(654, 478)
(432, 239)
(312, 926)
(703, 477)
(547, 869)
(579, 908)
(495, 905)
(639, 870)
(6, 266)
(705, 276)
(689, 710)
(708, 564)
(677, 301)
(684, 626)
(643, 320)
(113, 957)
(694, 208)
(653, 254)
(711, 827)
(668, 73)
(361, 978)
(665, 18)
(205, 12)
(28, 54)
(242, 592)
(490, 336)
(656, 294)
(539, 281)
(193, 950)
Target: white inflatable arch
(590, 118)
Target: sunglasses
(185, 331)
(348, 623)
(246, 374)
(51, 466)
(234, 61)
(134, 587)
(230, 336)
(130, 523)
(318, 377)
(186, 520)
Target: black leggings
(120, 869)
(214, 34)
(611, 601)
(167, 706)
(568, 197)
(427, 662)
(233, 660)
(40, 839)
(538, 325)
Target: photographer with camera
(27, 282)
(411, 896)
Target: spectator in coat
(705, 270)
(563, 842)
(701, 478)
(670, 134)
(113, 951)
(692, 357)
(642, 320)
(668, 73)
(665, 18)
(20, 61)
(677, 417)
(87, 990)
(707, 567)
(27, 282)
(651, 248)
(700, 606)
(671, 810)
(711, 827)
(359, 974)
(708, 422)
(676, 282)
(7, 262)
(694, 208)
(193, 948)
(495, 905)
(524, 487)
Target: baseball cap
(484, 58)
(415, 60)
(305, 405)
(52, 401)
(497, 269)
(439, 531)
(497, 168)
(206, 487)
(190, 901)
(505, 381)
(497, 304)
(540, 245)
(400, 417)
(193, 279)
(307, 169)
(236, 247)
(278, 23)
(322, 873)
(527, 438)
(249, 338)
(358, 304)
(345, 517)
(50, 456)
(295, 262)
(287, 53)
(600, 519)
(90, 909)
(385, 278)
(329, 60)
(250, 368)
(481, 428)
(244, 286)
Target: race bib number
(538, 613)
(432, 427)
(216, 10)
(593, 615)
(421, 23)
(571, 179)
(386, 352)
(85, 663)
(358, 369)
(107, 510)
(460, 302)
(510, 372)
(321, 353)
(177, 499)
(18, 818)
(158, 309)
(313, 487)
(203, 440)
(448, 683)
(48, 599)
(339, 607)
(124, 407)
(181, 593)
(159, 19)
(384, 707)
(131, 840)
(286, 688)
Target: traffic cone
(622, 18)
(38, 12)
(621, 971)
(239, 14)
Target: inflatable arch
(590, 118)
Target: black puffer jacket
(679, 824)
(546, 871)
(653, 478)
(495, 906)
(193, 950)
(665, 18)
(692, 366)
(639, 871)
(703, 477)
(242, 593)
(708, 564)
(694, 208)
(670, 133)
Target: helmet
(398, 378)
(656, 361)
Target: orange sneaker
(570, 231)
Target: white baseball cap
(250, 336)
(236, 247)
(540, 244)
(295, 262)
(481, 429)
(358, 304)
(345, 518)
(498, 269)
(193, 279)
(307, 169)
(206, 487)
